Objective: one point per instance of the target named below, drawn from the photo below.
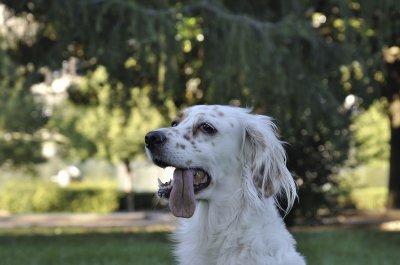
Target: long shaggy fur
(236, 220)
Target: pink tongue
(181, 200)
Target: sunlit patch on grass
(391, 226)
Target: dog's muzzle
(186, 182)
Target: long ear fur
(264, 158)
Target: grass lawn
(81, 247)
(350, 247)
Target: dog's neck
(213, 218)
(215, 226)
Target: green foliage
(371, 130)
(103, 127)
(39, 197)
(21, 118)
(293, 60)
(366, 178)
(366, 186)
(373, 198)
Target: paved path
(113, 220)
(163, 220)
(387, 220)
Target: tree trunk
(130, 198)
(394, 172)
(392, 92)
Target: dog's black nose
(154, 138)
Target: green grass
(350, 247)
(80, 247)
(114, 248)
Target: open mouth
(201, 180)
(181, 190)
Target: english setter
(229, 169)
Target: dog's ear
(264, 161)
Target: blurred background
(82, 81)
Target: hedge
(40, 197)
(370, 198)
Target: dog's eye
(174, 124)
(207, 128)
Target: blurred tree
(104, 129)
(21, 119)
(373, 30)
(371, 134)
(295, 60)
(392, 93)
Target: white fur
(236, 219)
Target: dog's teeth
(166, 184)
(199, 175)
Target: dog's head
(220, 151)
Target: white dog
(230, 167)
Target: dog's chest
(205, 245)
